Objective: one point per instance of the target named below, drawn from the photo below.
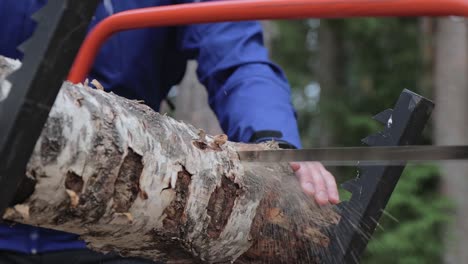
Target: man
(248, 93)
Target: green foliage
(294, 52)
(379, 58)
(383, 59)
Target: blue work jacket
(246, 90)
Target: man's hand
(317, 181)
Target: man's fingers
(332, 188)
(316, 178)
(308, 188)
(317, 181)
(304, 176)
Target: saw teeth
(41, 14)
(374, 139)
(356, 186)
(352, 186)
(26, 45)
(383, 116)
(41, 17)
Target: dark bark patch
(220, 206)
(175, 217)
(143, 195)
(200, 145)
(127, 184)
(53, 144)
(106, 159)
(74, 182)
(92, 180)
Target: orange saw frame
(222, 11)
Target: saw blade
(388, 155)
(48, 56)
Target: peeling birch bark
(130, 180)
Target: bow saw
(57, 49)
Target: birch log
(130, 180)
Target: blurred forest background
(342, 72)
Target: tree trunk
(451, 95)
(130, 180)
(331, 79)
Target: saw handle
(221, 11)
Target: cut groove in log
(130, 180)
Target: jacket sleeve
(249, 94)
